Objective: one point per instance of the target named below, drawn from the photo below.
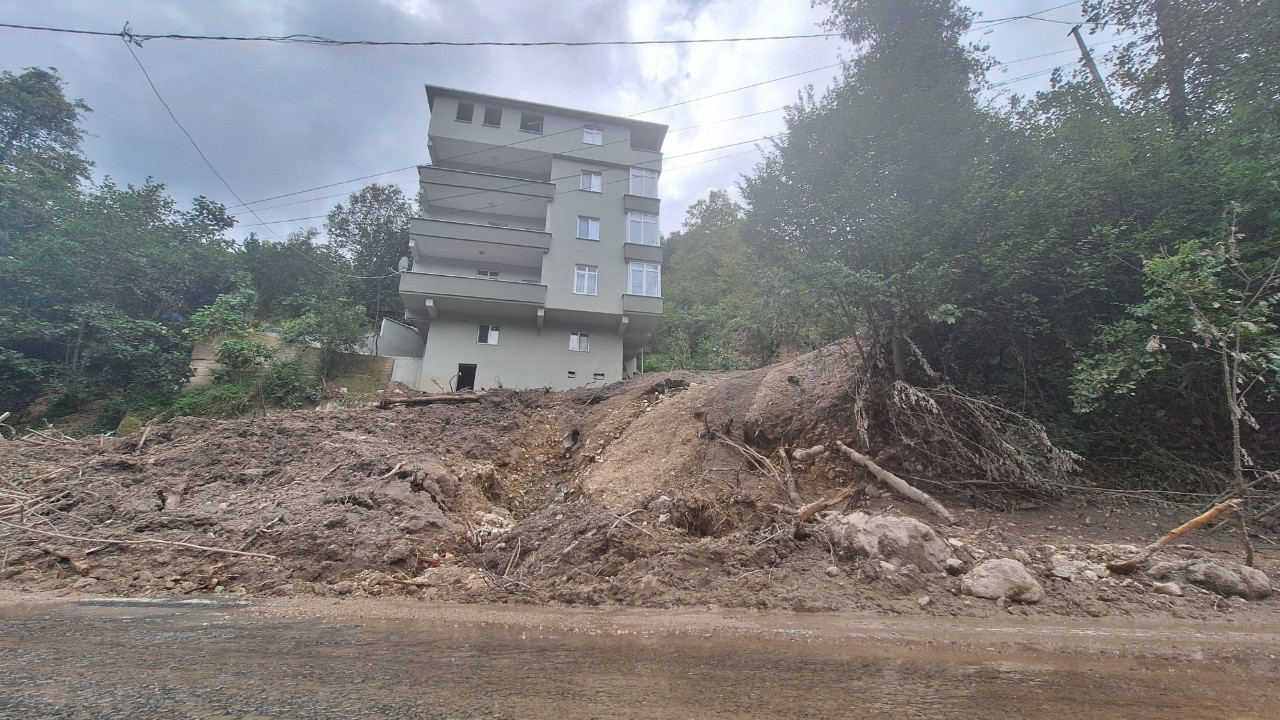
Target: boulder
(1229, 579)
(1002, 578)
(893, 538)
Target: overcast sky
(276, 118)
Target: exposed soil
(621, 495)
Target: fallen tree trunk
(385, 403)
(897, 484)
(1125, 567)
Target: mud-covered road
(115, 658)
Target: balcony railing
(456, 286)
(452, 230)
(642, 304)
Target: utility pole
(1093, 67)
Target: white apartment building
(537, 260)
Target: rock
(893, 538)
(833, 571)
(953, 566)
(1230, 579)
(1002, 577)
(1167, 588)
(1163, 570)
(925, 601)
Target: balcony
(640, 203)
(641, 304)
(446, 190)
(472, 232)
(470, 288)
(643, 253)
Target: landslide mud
(614, 496)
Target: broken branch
(807, 513)
(897, 484)
(1125, 567)
(149, 541)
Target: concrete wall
(567, 250)
(524, 357)
(407, 370)
(397, 339)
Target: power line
(226, 184)
(304, 39)
(177, 122)
(511, 188)
(543, 137)
(676, 130)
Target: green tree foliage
(100, 285)
(1011, 251)
(870, 199)
(297, 267)
(335, 325)
(372, 232)
(713, 302)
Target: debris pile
(809, 485)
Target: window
(489, 335)
(487, 274)
(572, 374)
(642, 228)
(531, 122)
(646, 279)
(584, 279)
(644, 182)
(466, 111)
(492, 116)
(580, 341)
(588, 228)
(591, 180)
(592, 135)
(597, 376)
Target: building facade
(536, 260)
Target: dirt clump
(664, 490)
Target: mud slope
(619, 495)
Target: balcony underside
(478, 243)
(446, 190)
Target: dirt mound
(661, 490)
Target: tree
(1207, 312)
(871, 193)
(372, 232)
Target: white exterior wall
(524, 356)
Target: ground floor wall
(525, 357)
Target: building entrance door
(466, 377)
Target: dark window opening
(572, 374)
(493, 116)
(531, 122)
(646, 139)
(466, 377)
(466, 111)
(598, 376)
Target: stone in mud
(893, 538)
(1003, 577)
(1230, 579)
(1167, 588)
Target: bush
(285, 384)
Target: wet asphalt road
(223, 659)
